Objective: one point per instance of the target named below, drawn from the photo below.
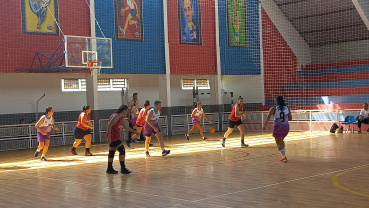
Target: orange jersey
(141, 118)
(233, 117)
(79, 124)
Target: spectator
(364, 117)
(22, 121)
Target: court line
(130, 191)
(335, 182)
(283, 182)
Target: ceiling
(324, 22)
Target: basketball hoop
(95, 66)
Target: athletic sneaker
(147, 154)
(204, 139)
(73, 151)
(283, 159)
(88, 153)
(222, 142)
(128, 142)
(165, 152)
(125, 171)
(43, 159)
(359, 132)
(111, 171)
(36, 153)
(244, 145)
(187, 137)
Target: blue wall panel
(135, 57)
(240, 60)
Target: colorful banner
(189, 22)
(38, 17)
(236, 21)
(128, 20)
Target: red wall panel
(280, 63)
(17, 49)
(193, 59)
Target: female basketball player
(134, 116)
(140, 121)
(82, 130)
(281, 115)
(43, 126)
(196, 116)
(152, 126)
(113, 134)
(235, 120)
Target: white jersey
(155, 116)
(364, 113)
(281, 115)
(130, 4)
(198, 113)
(47, 124)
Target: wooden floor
(323, 171)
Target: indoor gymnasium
(184, 103)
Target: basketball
(212, 130)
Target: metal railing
(181, 124)
(24, 136)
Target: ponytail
(121, 109)
(48, 109)
(240, 98)
(147, 103)
(280, 102)
(86, 107)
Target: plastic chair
(348, 121)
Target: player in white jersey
(281, 115)
(43, 126)
(152, 127)
(196, 116)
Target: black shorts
(80, 133)
(231, 124)
(115, 144)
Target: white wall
(248, 86)
(354, 50)
(20, 92)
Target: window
(77, 85)
(189, 84)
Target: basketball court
(323, 170)
(231, 60)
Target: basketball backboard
(79, 50)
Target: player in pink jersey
(281, 115)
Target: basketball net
(95, 67)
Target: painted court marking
(335, 181)
(130, 191)
(283, 182)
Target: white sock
(162, 149)
(283, 152)
(203, 137)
